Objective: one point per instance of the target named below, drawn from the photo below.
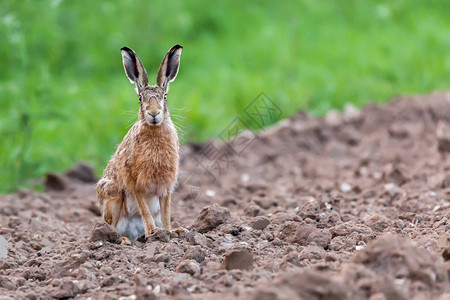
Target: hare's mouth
(152, 121)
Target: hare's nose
(152, 114)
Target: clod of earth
(82, 172)
(7, 283)
(260, 223)
(196, 253)
(446, 253)
(312, 252)
(401, 258)
(67, 289)
(55, 182)
(306, 285)
(321, 237)
(210, 217)
(377, 223)
(189, 266)
(348, 228)
(161, 234)
(195, 238)
(105, 232)
(294, 232)
(14, 222)
(238, 257)
(443, 136)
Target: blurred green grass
(64, 96)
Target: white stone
(210, 193)
(345, 187)
(245, 177)
(4, 247)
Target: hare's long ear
(134, 69)
(169, 67)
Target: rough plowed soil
(351, 206)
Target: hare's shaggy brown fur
(137, 184)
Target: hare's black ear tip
(177, 46)
(126, 49)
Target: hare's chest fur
(152, 164)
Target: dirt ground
(350, 206)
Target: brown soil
(352, 206)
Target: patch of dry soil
(351, 206)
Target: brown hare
(136, 187)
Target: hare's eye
(140, 98)
(165, 96)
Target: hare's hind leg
(111, 210)
(111, 200)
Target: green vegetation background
(64, 97)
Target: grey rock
(4, 247)
(260, 222)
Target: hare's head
(152, 99)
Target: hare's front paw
(179, 230)
(126, 241)
(149, 231)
